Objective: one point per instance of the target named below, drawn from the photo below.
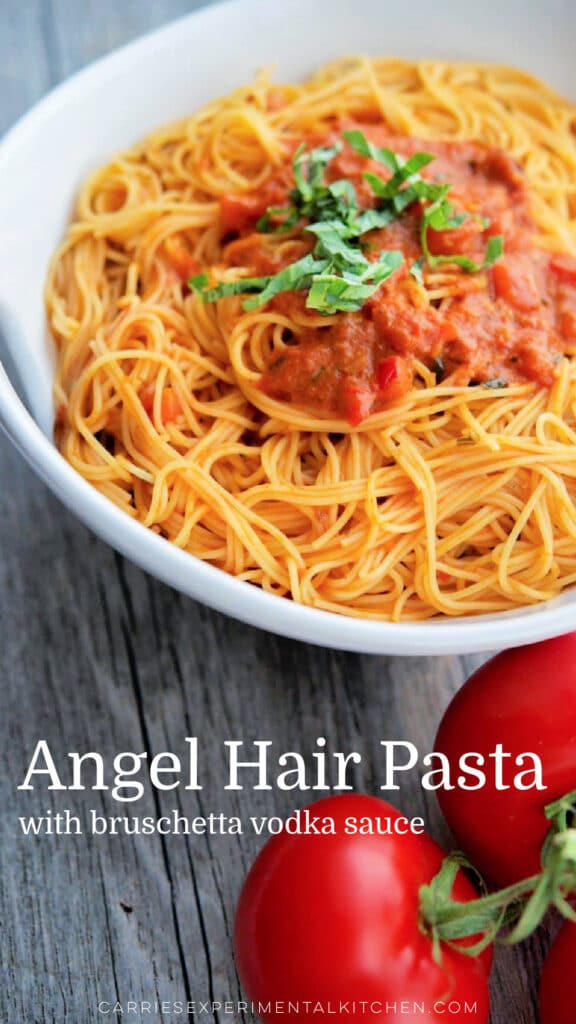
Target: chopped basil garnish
(297, 275)
(337, 274)
(348, 292)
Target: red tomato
(514, 282)
(394, 378)
(565, 268)
(170, 407)
(333, 919)
(460, 241)
(238, 212)
(557, 1004)
(568, 326)
(357, 400)
(524, 699)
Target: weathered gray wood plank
(25, 72)
(96, 655)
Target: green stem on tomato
(561, 812)
(519, 908)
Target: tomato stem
(517, 909)
(561, 812)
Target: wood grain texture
(95, 655)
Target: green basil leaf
(225, 288)
(494, 250)
(198, 283)
(363, 147)
(343, 190)
(391, 188)
(295, 277)
(330, 293)
(331, 237)
(289, 213)
(369, 220)
(309, 168)
(382, 268)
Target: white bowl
(158, 79)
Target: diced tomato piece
(458, 241)
(394, 376)
(565, 268)
(515, 283)
(568, 326)
(500, 167)
(180, 258)
(170, 407)
(238, 212)
(147, 400)
(387, 371)
(357, 401)
(448, 331)
(536, 357)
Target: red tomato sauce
(509, 323)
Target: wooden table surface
(96, 655)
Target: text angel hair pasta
(321, 337)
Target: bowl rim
(191, 575)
